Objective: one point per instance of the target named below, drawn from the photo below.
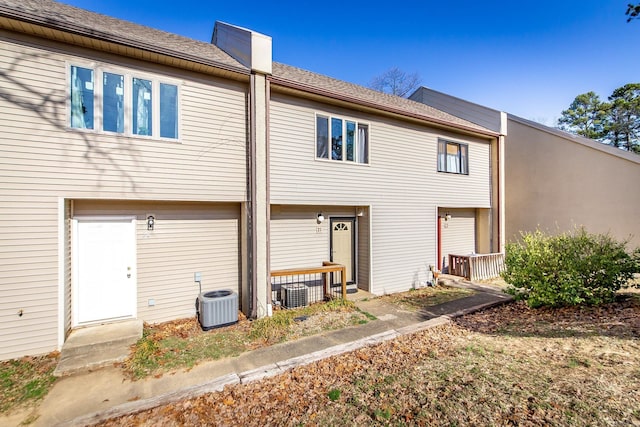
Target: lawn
(182, 344)
(25, 381)
(510, 365)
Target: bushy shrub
(568, 269)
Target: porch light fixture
(320, 218)
(151, 221)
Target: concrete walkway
(92, 348)
(90, 397)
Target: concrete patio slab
(95, 347)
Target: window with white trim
(122, 103)
(81, 98)
(113, 102)
(453, 157)
(341, 139)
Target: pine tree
(623, 123)
(585, 116)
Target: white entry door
(105, 270)
(343, 244)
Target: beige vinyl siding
(207, 163)
(403, 162)
(401, 184)
(297, 240)
(187, 238)
(43, 160)
(28, 275)
(458, 233)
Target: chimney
(251, 49)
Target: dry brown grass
(510, 365)
(181, 343)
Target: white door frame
(75, 264)
(354, 244)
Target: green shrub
(568, 269)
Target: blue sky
(527, 58)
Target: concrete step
(97, 346)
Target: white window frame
(356, 153)
(99, 116)
(129, 75)
(68, 75)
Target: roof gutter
(66, 27)
(378, 106)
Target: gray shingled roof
(83, 22)
(56, 15)
(319, 83)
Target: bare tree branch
(396, 82)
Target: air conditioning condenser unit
(217, 309)
(294, 295)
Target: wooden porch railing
(476, 266)
(314, 281)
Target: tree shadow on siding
(50, 107)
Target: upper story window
(168, 111)
(113, 102)
(342, 140)
(122, 104)
(453, 157)
(81, 98)
(142, 107)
